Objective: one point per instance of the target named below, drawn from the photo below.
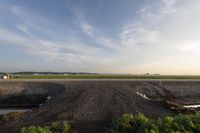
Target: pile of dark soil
(182, 92)
(91, 105)
(26, 95)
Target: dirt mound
(179, 92)
(90, 106)
(26, 94)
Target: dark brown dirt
(178, 92)
(91, 105)
(28, 94)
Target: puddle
(143, 95)
(8, 110)
(192, 106)
(48, 98)
(5, 110)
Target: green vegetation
(11, 116)
(35, 129)
(129, 123)
(55, 127)
(99, 76)
(60, 127)
(140, 124)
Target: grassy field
(89, 76)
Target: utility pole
(160, 83)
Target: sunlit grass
(96, 76)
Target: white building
(4, 76)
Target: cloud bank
(159, 36)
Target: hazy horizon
(103, 36)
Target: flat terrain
(105, 76)
(89, 104)
(106, 79)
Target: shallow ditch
(179, 107)
(23, 97)
(9, 110)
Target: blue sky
(116, 36)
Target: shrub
(35, 129)
(141, 124)
(11, 116)
(60, 127)
(55, 127)
(124, 123)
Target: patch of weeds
(60, 127)
(11, 116)
(55, 127)
(35, 129)
(129, 123)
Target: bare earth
(90, 105)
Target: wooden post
(160, 83)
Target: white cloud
(145, 30)
(149, 41)
(156, 11)
(9, 37)
(191, 47)
(165, 37)
(88, 29)
(134, 36)
(94, 33)
(23, 28)
(149, 27)
(169, 6)
(31, 22)
(72, 54)
(96, 36)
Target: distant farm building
(5, 76)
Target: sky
(106, 36)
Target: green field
(96, 76)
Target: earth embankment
(26, 94)
(91, 105)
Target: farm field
(91, 105)
(96, 76)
